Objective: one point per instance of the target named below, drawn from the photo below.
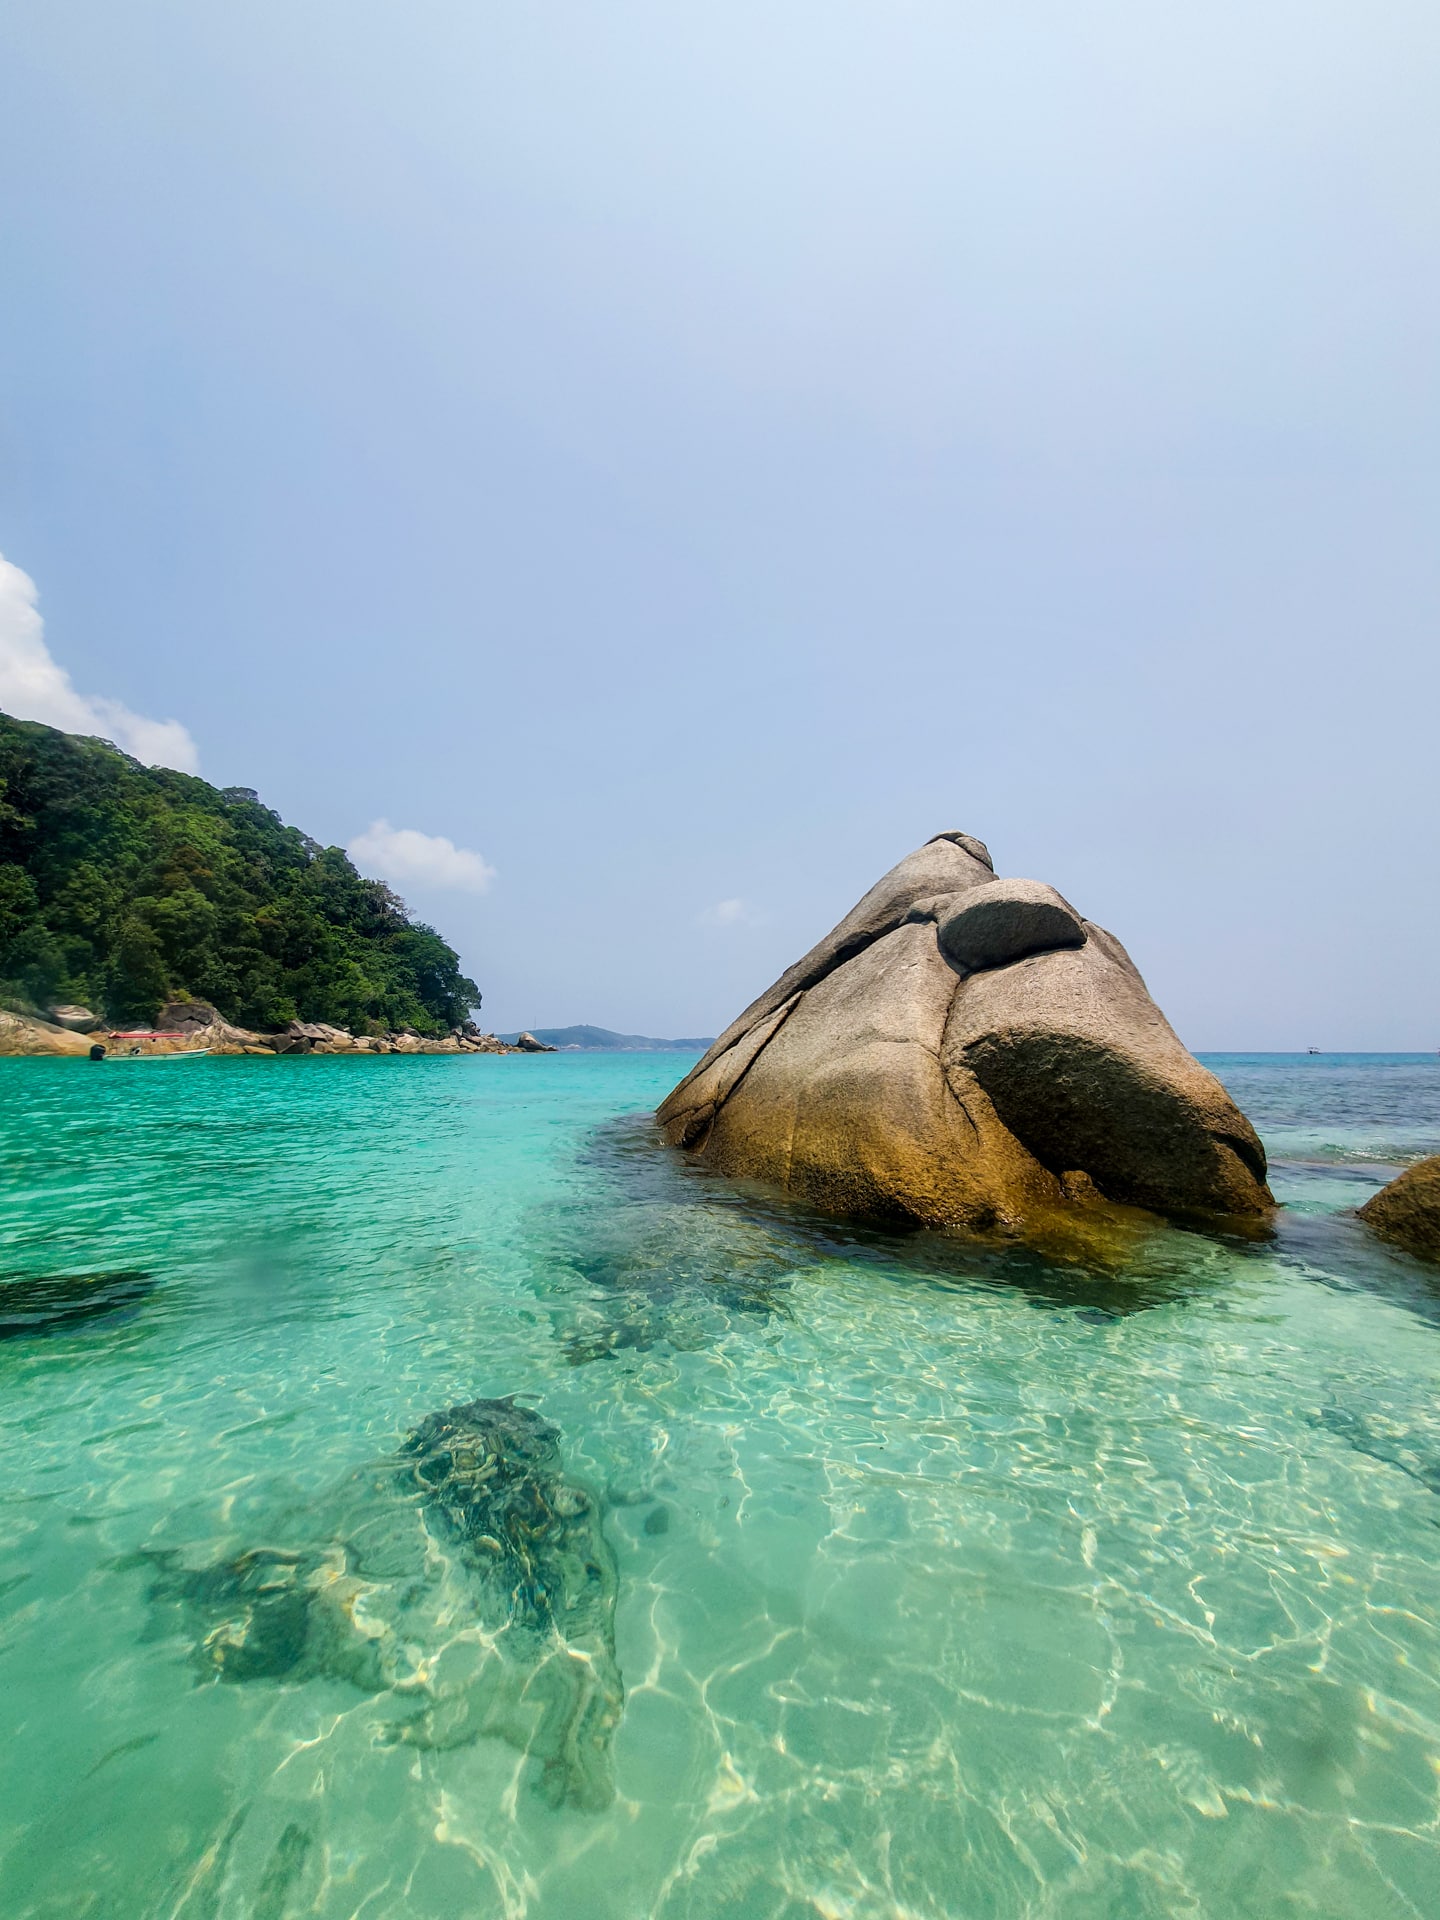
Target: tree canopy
(124, 886)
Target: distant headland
(602, 1040)
(145, 901)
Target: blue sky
(682, 457)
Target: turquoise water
(922, 1579)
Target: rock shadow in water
(467, 1578)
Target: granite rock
(187, 1016)
(963, 1051)
(1407, 1212)
(22, 1033)
(75, 1019)
(992, 926)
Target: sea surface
(859, 1577)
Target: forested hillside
(123, 886)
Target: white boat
(189, 1053)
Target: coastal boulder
(75, 1019)
(1407, 1212)
(187, 1016)
(965, 1051)
(23, 1033)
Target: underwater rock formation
(1407, 1212)
(649, 1261)
(33, 1304)
(962, 1051)
(274, 1615)
(468, 1577)
(492, 1480)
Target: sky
(631, 473)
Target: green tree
(123, 886)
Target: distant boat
(1312, 1049)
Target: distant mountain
(602, 1040)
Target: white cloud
(420, 859)
(730, 913)
(33, 686)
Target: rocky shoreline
(195, 1026)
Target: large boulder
(75, 1019)
(195, 1025)
(527, 1043)
(1408, 1210)
(963, 1051)
(23, 1033)
(188, 1016)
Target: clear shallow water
(947, 1581)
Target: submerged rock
(491, 1476)
(32, 1304)
(275, 1615)
(963, 1051)
(670, 1276)
(492, 1479)
(1407, 1212)
(468, 1577)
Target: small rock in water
(265, 1591)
